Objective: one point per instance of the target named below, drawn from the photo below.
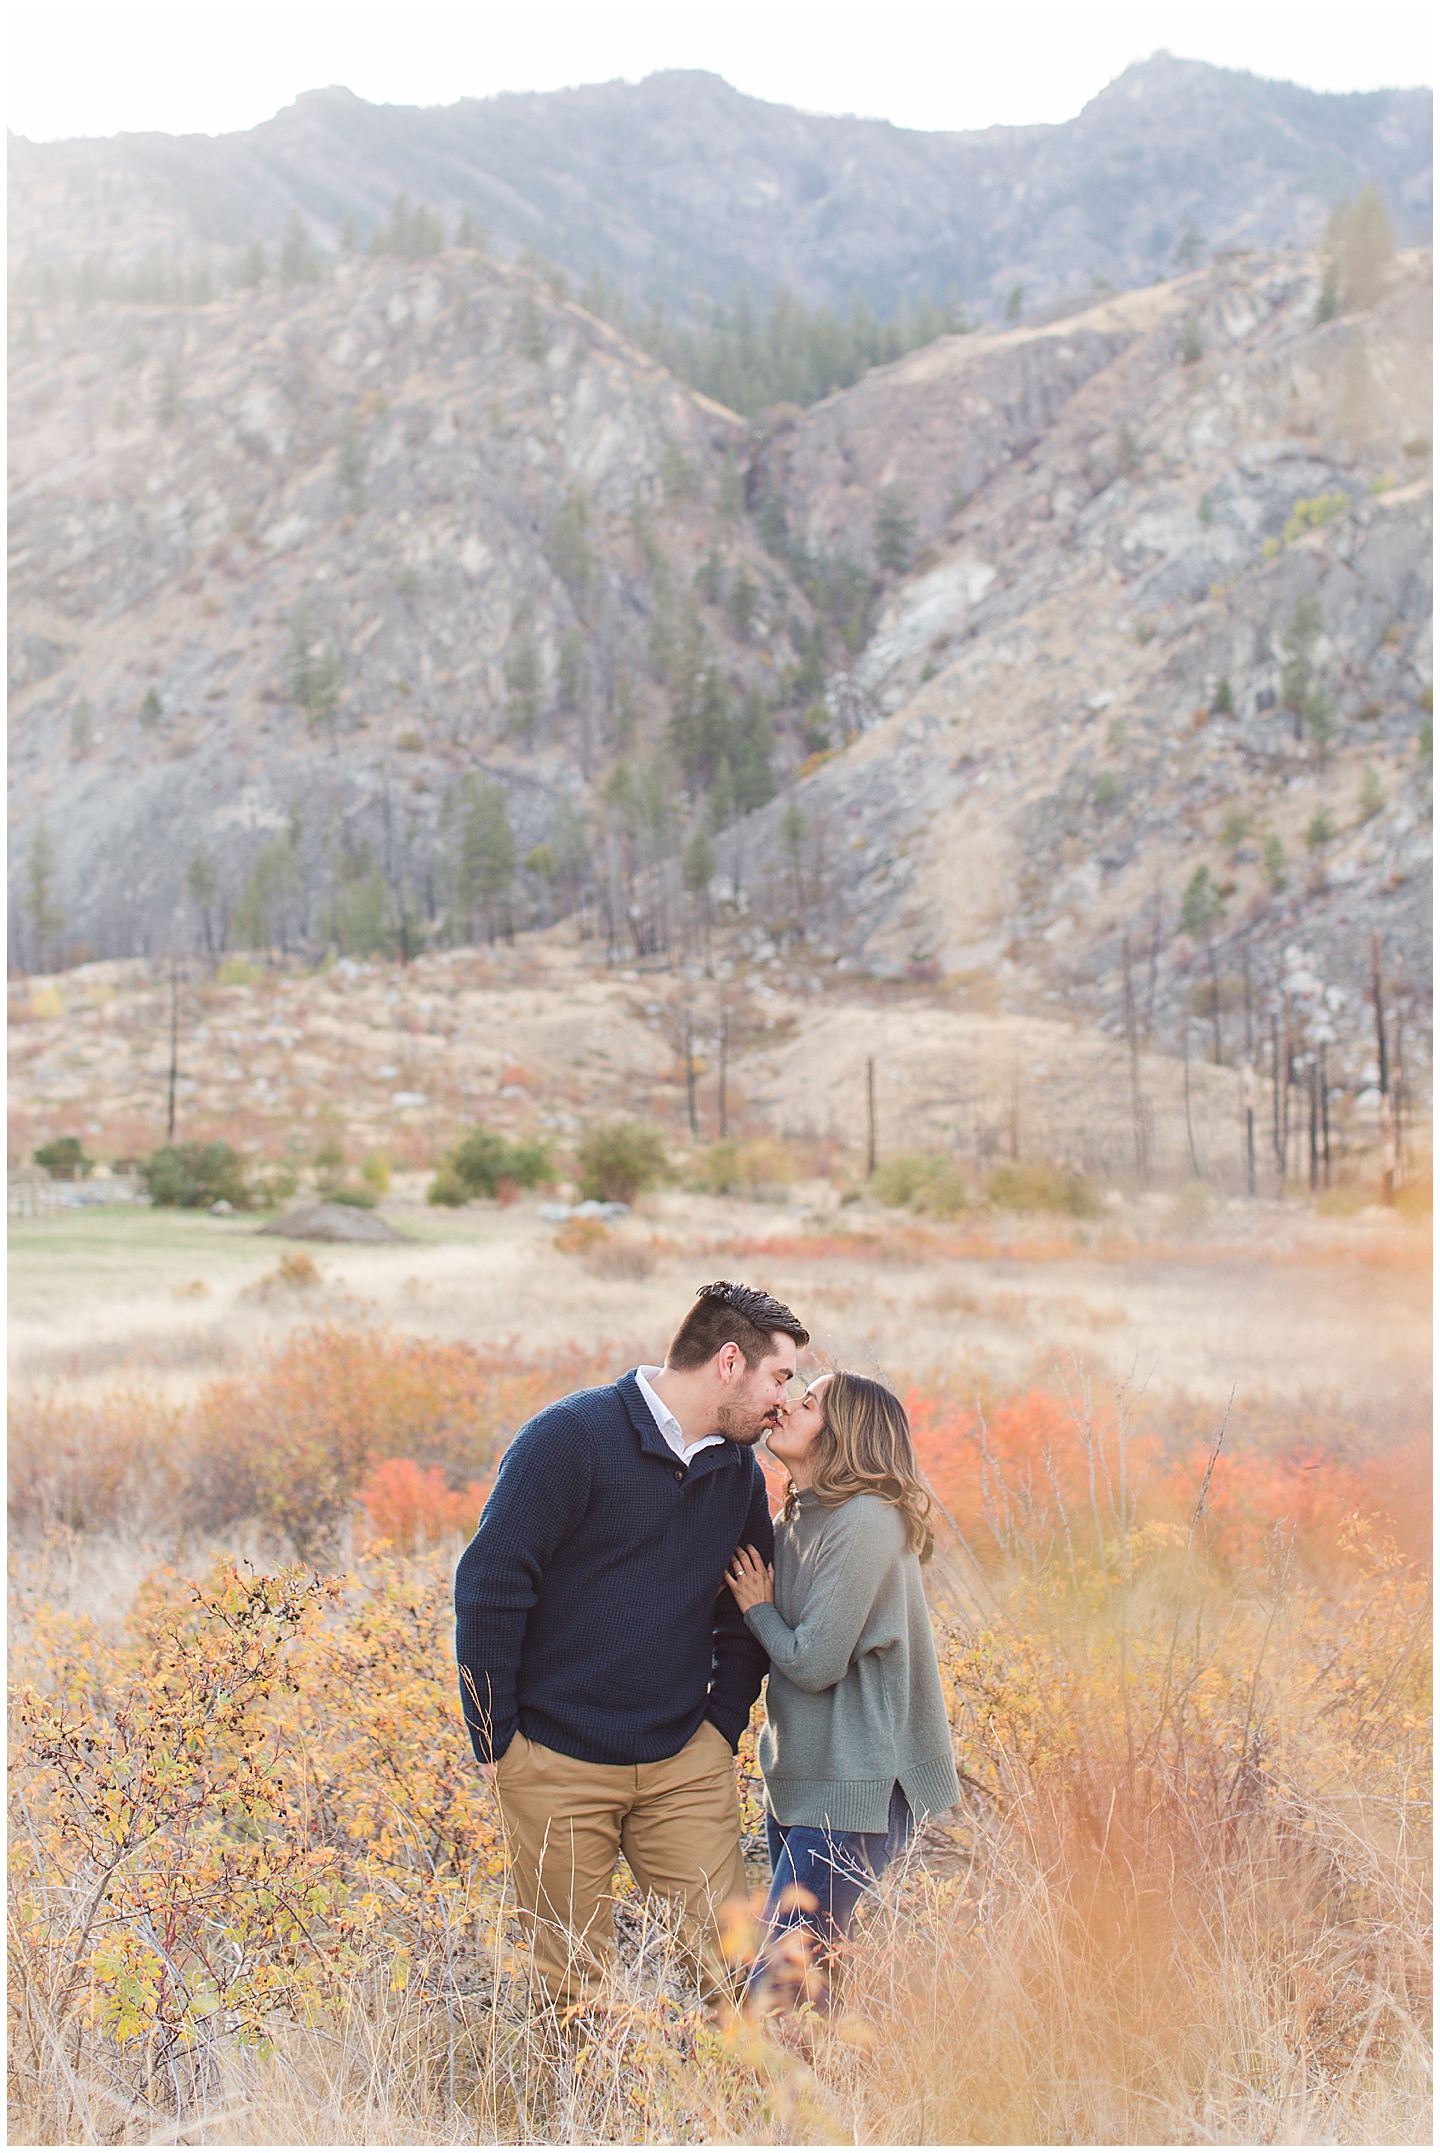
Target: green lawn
(101, 1255)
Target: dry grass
(258, 1891)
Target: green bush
(1038, 1186)
(63, 1159)
(763, 1163)
(617, 1159)
(447, 1187)
(924, 1181)
(191, 1177)
(361, 1198)
(272, 1186)
(481, 1160)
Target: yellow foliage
(1189, 1867)
(1310, 515)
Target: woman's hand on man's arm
(751, 1581)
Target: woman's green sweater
(853, 1701)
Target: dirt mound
(333, 1222)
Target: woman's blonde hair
(864, 1448)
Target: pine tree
(744, 597)
(299, 263)
(623, 716)
(894, 531)
(359, 921)
(1201, 908)
(710, 576)
(792, 835)
(571, 848)
(572, 653)
(655, 800)
(202, 883)
(534, 335)
(412, 233)
(313, 672)
(350, 465)
(260, 915)
(1015, 304)
(522, 682)
(469, 234)
(699, 864)
(46, 920)
(661, 650)
(1319, 831)
(754, 742)
(568, 547)
(82, 727)
(1188, 248)
(720, 808)
(1297, 673)
(486, 865)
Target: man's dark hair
(725, 1315)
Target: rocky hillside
(416, 605)
(1183, 624)
(303, 581)
(680, 184)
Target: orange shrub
(288, 1444)
(292, 1444)
(1021, 1467)
(1016, 1465)
(410, 1506)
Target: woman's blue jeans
(817, 1880)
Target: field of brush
(257, 1887)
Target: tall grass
(258, 1892)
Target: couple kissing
(624, 1599)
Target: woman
(856, 1744)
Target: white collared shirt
(666, 1422)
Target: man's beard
(744, 1424)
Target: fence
(33, 1194)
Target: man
(606, 1673)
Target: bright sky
(95, 67)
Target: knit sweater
(591, 1606)
(853, 1702)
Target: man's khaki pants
(676, 1822)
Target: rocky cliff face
(679, 184)
(308, 580)
(302, 566)
(1185, 624)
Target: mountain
(1178, 627)
(286, 571)
(680, 185)
(416, 603)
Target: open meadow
(1180, 1443)
(545, 775)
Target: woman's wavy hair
(864, 1448)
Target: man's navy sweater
(591, 1606)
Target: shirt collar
(665, 1420)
